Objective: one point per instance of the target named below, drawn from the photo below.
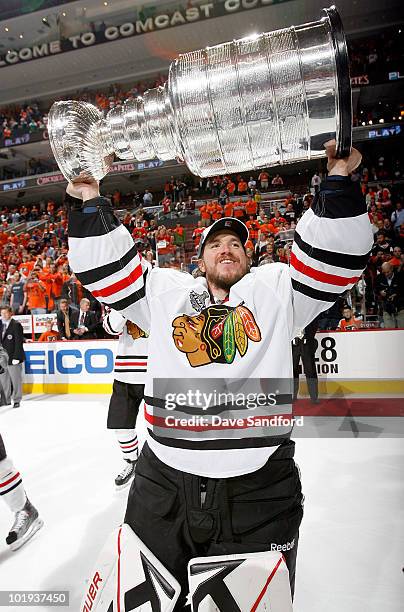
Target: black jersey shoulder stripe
(130, 299)
(87, 277)
(228, 444)
(340, 260)
(98, 223)
(315, 294)
(339, 199)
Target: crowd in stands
(32, 116)
(35, 277)
(370, 54)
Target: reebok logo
(283, 547)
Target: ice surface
(352, 539)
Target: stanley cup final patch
(198, 300)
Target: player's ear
(201, 265)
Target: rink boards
(357, 363)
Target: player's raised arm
(332, 241)
(103, 256)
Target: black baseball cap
(226, 223)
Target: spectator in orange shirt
(348, 323)
(253, 229)
(49, 335)
(263, 178)
(196, 235)
(36, 294)
(218, 212)
(231, 188)
(238, 210)
(267, 227)
(228, 209)
(251, 207)
(242, 187)
(205, 215)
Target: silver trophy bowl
(261, 101)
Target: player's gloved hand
(344, 166)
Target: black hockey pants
(255, 512)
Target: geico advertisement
(345, 355)
(78, 362)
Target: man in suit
(304, 348)
(63, 320)
(12, 341)
(84, 322)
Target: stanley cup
(265, 100)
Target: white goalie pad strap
(128, 577)
(237, 583)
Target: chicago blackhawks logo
(135, 331)
(215, 334)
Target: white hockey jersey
(199, 351)
(132, 353)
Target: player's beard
(225, 282)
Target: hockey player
(202, 489)
(128, 390)
(26, 521)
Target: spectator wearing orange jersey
(251, 207)
(205, 215)
(267, 227)
(196, 235)
(211, 207)
(231, 188)
(35, 291)
(49, 335)
(218, 212)
(242, 187)
(26, 266)
(253, 229)
(348, 323)
(238, 209)
(228, 209)
(57, 284)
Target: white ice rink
(351, 546)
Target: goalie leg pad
(127, 576)
(254, 582)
